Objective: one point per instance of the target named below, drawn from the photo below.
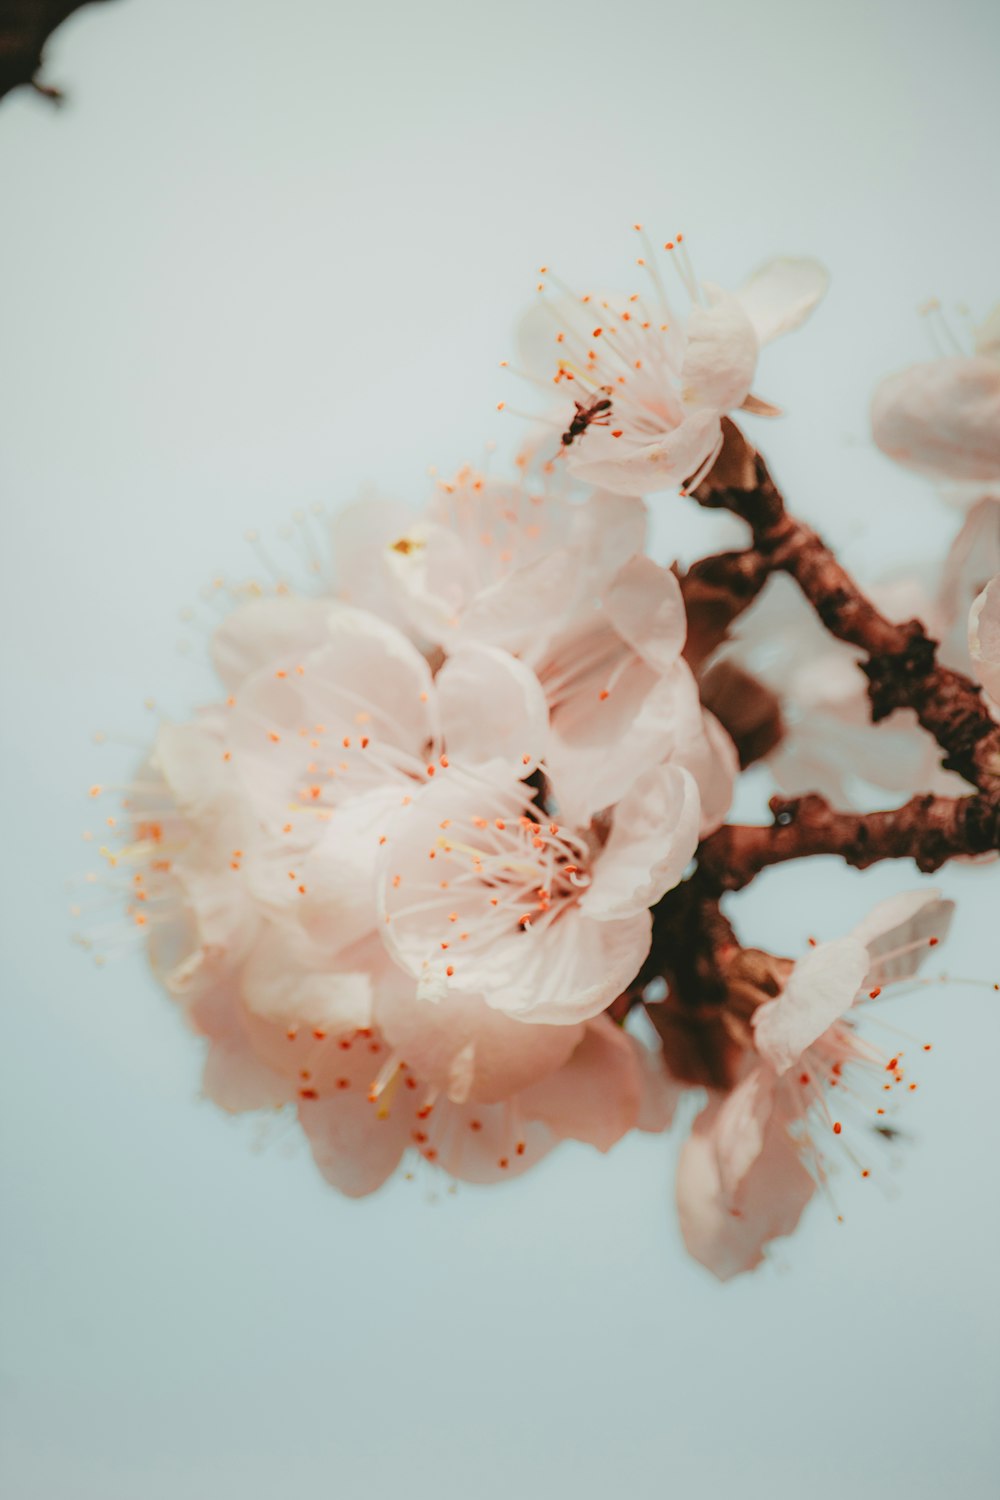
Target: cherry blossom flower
(504, 563)
(943, 417)
(482, 893)
(649, 389)
(378, 1077)
(757, 1154)
(984, 639)
(567, 587)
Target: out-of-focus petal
(503, 1055)
(729, 1236)
(780, 294)
(354, 1147)
(900, 932)
(275, 632)
(942, 418)
(492, 708)
(820, 989)
(595, 1096)
(741, 1126)
(984, 638)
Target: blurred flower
(351, 872)
(467, 1090)
(943, 417)
(649, 389)
(756, 1155)
(830, 744)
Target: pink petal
(973, 559)
(721, 356)
(354, 1147)
(664, 463)
(239, 1082)
(897, 933)
(820, 989)
(780, 294)
(267, 633)
(653, 839)
(942, 418)
(741, 1127)
(645, 606)
(984, 638)
(492, 708)
(502, 1055)
(729, 1235)
(279, 986)
(595, 1096)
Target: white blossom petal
(781, 294)
(820, 989)
(653, 839)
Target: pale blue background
(270, 252)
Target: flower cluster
(447, 827)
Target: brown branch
(25, 27)
(927, 829)
(901, 668)
(713, 984)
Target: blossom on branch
(813, 1078)
(647, 387)
(461, 807)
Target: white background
(267, 254)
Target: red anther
(837, 1127)
(319, 1034)
(504, 1163)
(803, 1078)
(520, 1148)
(874, 994)
(475, 1124)
(933, 942)
(343, 1083)
(450, 970)
(308, 1094)
(499, 823)
(603, 695)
